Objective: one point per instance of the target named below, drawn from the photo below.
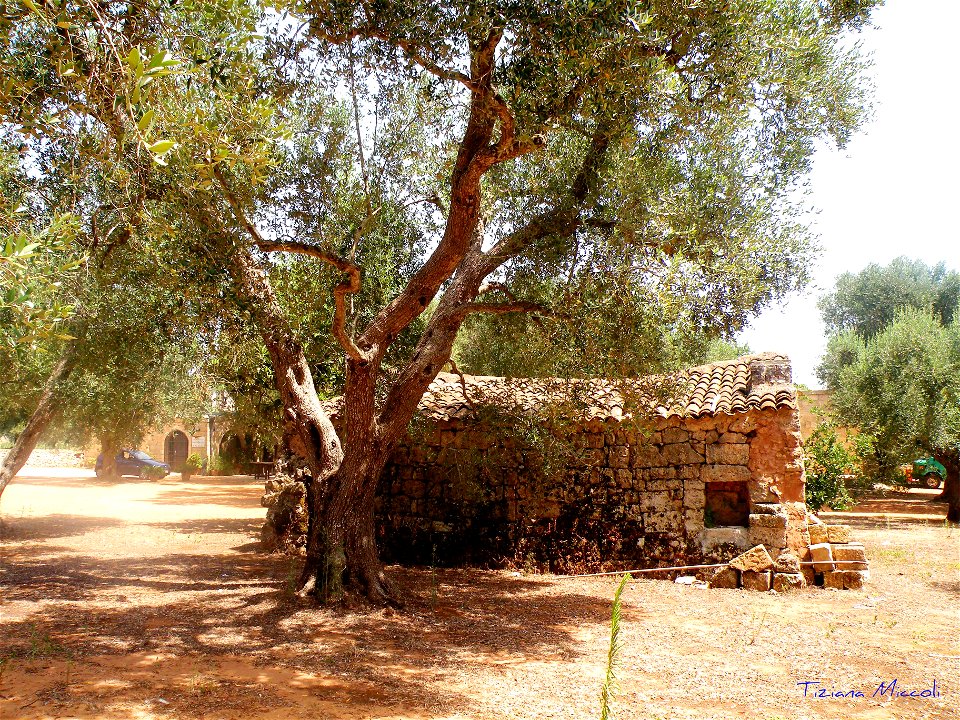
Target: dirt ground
(151, 600)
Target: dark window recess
(728, 503)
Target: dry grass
(139, 600)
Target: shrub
(827, 461)
(193, 463)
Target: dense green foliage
(902, 387)
(827, 461)
(892, 358)
(867, 301)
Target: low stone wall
(618, 496)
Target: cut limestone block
(822, 556)
(833, 580)
(838, 533)
(725, 577)
(809, 575)
(756, 559)
(853, 579)
(818, 534)
(756, 580)
(784, 582)
(787, 562)
(849, 556)
(768, 529)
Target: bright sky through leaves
(894, 190)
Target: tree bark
(950, 459)
(47, 409)
(108, 463)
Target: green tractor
(927, 472)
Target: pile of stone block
(756, 570)
(835, 562)
(838, 562)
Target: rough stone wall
(464, 493)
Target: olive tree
(572, 160)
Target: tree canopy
(622, 170)
(867, 301)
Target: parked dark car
(134, 462)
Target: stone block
(768, 521)
(818, 534)
(619, 456)
(712, 538)
(822, 556)
(728, 454)
(768, 530)
(756, 580)
(681, 454)
(733, 438)
(849, 556)
(769, 509)
(647, 456)
(743, 424)
(787, 562)
(663, 522)
(725, 473)
(838, 533)
(785, 582)
(833, 580)
(725, 577)
(625, 479)
(755, 559)
(852, 579)
(675, 435)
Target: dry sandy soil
(139, 600)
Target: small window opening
(727, 504)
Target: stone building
(592, 474)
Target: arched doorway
(176, 447)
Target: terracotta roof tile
(728, 387)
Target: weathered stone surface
(852, 579)
(619, 456)
(769, 530)
(809, 574)
(768, 521)
(849, 556)
(728, 454)
(681, 454)
(822, 555)
(725, 578)
(752, 580)
(743, 424)
(784, 582)
(713, 538)
(674, 435)
(787, 562)
(833, 579)
(724, 473)
(838, 533)
(755, 559)
(770, 509)
(818, 534)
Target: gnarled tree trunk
(950, 459)
(108, 458)
(47, 409)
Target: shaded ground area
(139, 600)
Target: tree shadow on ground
(14, 529)
(243, 526)
(229, 604)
